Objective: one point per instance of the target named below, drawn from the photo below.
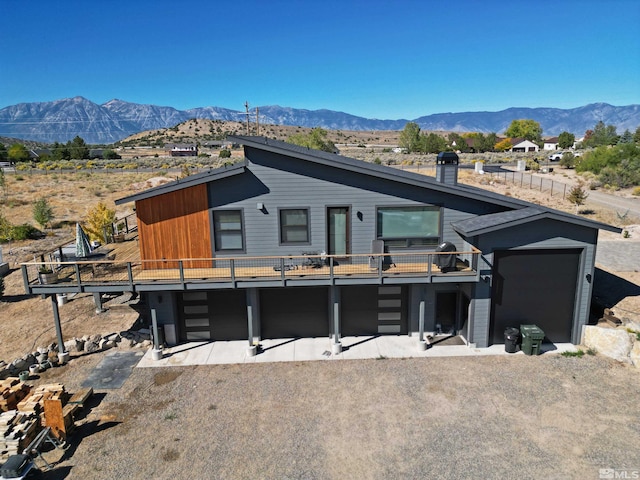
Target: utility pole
(257, 121)
(246, 106)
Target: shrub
(224, 153)
(25, 232)
(636, 192)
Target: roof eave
(187, 182)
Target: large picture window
(411, 226)
(228, 230)
(294, 226)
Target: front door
(338, 231)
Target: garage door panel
(535, 287)
(214, 315)
(294, 312)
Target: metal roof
(498, 221)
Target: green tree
(225, 153)
(577, 196)
(626, 137)
(316, 139)
(525, 128)
(4, 155)
(18, 153)
(42, 212)
(568, 160)
(636, 136)
(432, 143)
(109, 154)
(566, 140)
(457, 142)
(78, 149)
(601, 135)
(410, 137)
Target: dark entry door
(447, 311)
(338, 231)
(534, 287)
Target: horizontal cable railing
(231, 269)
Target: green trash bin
(532, 337)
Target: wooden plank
(54, 418)
(81, 396)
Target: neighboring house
(295, 242)
(551, 144)
(522, 145)
(183, 149)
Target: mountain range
(62, 120)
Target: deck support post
(336, 346)
(63, 355)
(253, 321)
(422, 345)
(97, 299)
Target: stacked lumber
(12, 391)
(35, 402)
(18, 431)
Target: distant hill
(62, 120)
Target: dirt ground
(447, 418)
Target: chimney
(447, 168)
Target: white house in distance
(551, 144)
(522, 145)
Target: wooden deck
(125, 268)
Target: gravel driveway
(498, 417)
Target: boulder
(90, 347)
(74, 345)
(615, 343)
(634, 355)
(113, 337)
(632, 324)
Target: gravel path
(507, 417)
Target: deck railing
(237, 269)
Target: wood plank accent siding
(173, 226)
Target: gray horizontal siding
(277, 189)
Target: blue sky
(376, 59)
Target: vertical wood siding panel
(174, 226)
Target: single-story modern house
(295, 242)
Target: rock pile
(621, 343)
(45, 357)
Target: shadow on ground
(609, 290)
(82, 431)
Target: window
(294, 226)
(227, 225)
(415, 226)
